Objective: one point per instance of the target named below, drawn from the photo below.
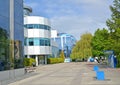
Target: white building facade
(37, 33)
(53, 33)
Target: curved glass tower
(65, 42)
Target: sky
(74, 17)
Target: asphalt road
(79, 73)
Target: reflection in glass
(11, 49)
(4, 51)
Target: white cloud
(73, 16)
(90, 17)
(76, 25)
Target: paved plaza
(79, 73)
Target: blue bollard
(96, 68)
(100, 75)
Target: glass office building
(11, 34)
(65, 42)
(55, 49)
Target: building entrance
(41, 59)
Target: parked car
(67, 60)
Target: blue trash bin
(100, 75)
(91, 59)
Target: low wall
(11, 74)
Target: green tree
(114, 25)
(100, 42)
(114, 22)
(83, 47)
(109, 39)
(62, 55)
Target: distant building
(11, 34)
(55, 49)
(65, 42)
(27, 10)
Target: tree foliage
(3, 38)
(103, 39)
(83, 47)
(114, 22)
(4, 42)
(109, 39)
(114, 25)
(100, 42)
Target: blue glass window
(49, 42)
(42, 43)
(36, 42)
(25, 41)
(37, 26)
(45, 27)
(31, 42)
(30, 26)
(40, 26)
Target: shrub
(60, 60)
(26, 62)
(55, 60)
(29, 61)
